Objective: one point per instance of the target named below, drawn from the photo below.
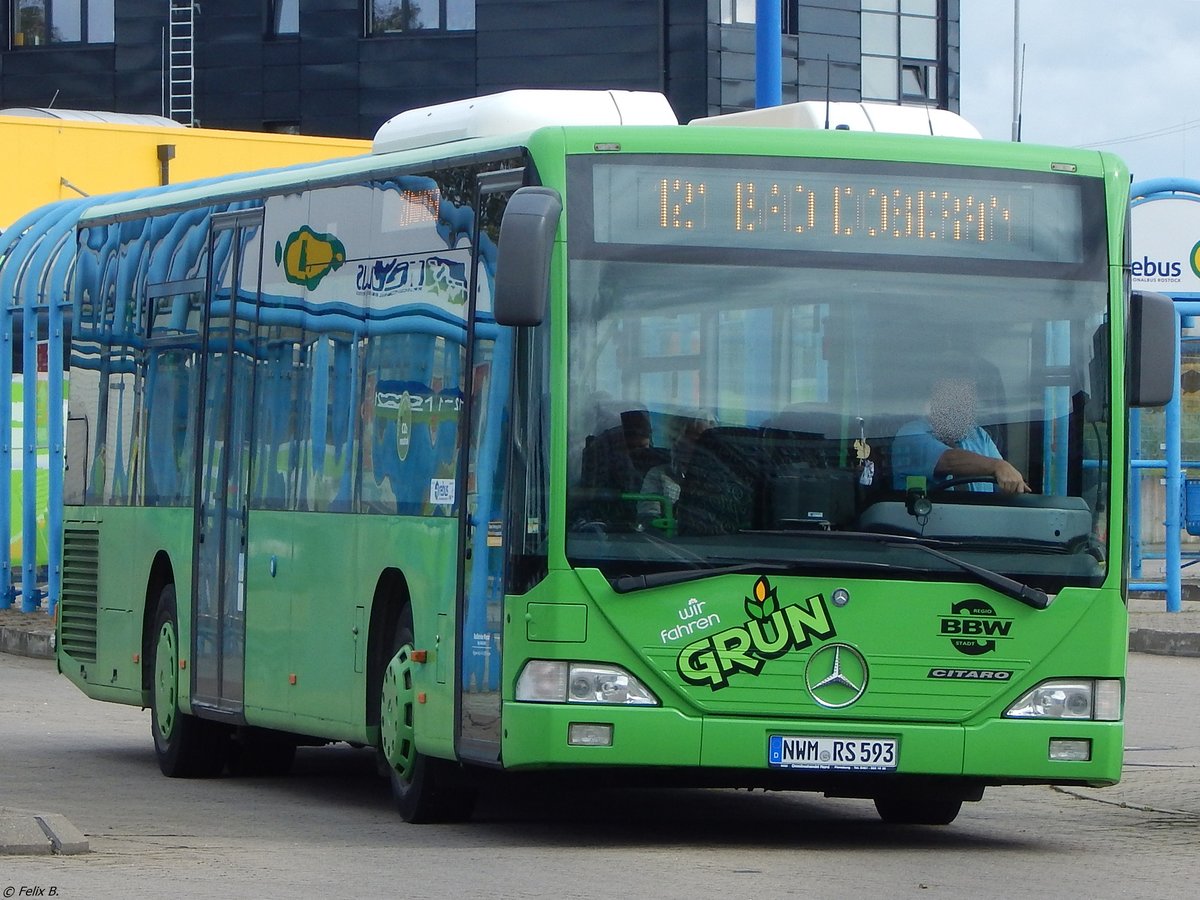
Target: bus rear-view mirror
(1151, 350)
(526, 245)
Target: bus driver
(949, 443)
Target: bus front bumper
(995, 751)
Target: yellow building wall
(42, 160)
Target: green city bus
(557, 437)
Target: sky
(1117, 75)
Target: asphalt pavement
(1152, 629)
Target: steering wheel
(962, 479)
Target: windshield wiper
(623, 584)
(1030, 596)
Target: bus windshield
(795, 362)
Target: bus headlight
(559, 681)
(1094, 699)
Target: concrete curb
(1164, 643)
(65, 839)
(22, 836)
(39, 834)
(23, 642)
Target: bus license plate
(798, 752)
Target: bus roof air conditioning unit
(844, 116)
(516, 111)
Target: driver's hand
(1008, 479)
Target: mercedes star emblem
(836, 675)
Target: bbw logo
(973, 627)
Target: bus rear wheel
(425, 788)
(186, 747)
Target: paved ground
(1151, 630)
(33, 832)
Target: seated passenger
(608, 456)
(949, 443)
(666, 480)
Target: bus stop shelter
(37, 255)
(1165, 216)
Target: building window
(738, 12)
(284, 16)
(39, 22)
(745, 12)
(900, 51)
(386, 17)
(790, 18)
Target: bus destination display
(853, 212)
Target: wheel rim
(166, 662)
(396, 713)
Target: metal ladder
(181, 72)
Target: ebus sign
(1166, 246)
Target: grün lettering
(733, 646)
(770, 647)
(806, 624)
(747, 647)
(697, 664)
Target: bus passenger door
(222, 465)
(482, 485)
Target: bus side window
(169, 395)
(412, 400)
(115, 328)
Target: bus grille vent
(77, 610)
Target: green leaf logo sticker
(307, 257)
(764, 602)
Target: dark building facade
(342, 67)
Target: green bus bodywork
(398, 518)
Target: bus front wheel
(425, 788)
(912, 807)
(186, 747)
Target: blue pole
(6, 362)
(1134, 513)
(57, 300)
(768, 53)
(1173, 436)
(30, 599)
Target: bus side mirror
(526, 244)
(1151, 350)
